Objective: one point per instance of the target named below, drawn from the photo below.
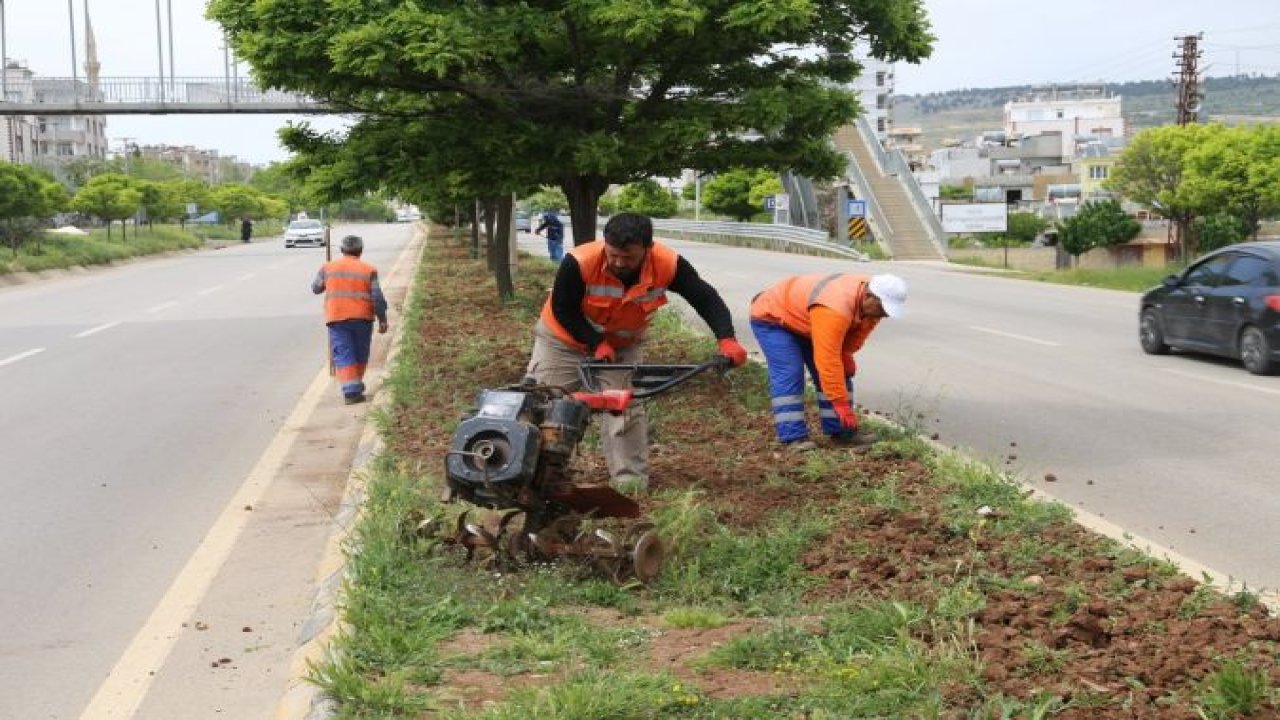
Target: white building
(875, 89)
(57, 138)
(1080, 115)
(21, 138)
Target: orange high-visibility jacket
(348, 288)
(621, 314)
(826, 308)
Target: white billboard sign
(975, 218)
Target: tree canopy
(1098, 224)
(499, 97)
(110, 197)
(740, 192)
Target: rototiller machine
(512, 454)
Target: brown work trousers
(625, 435)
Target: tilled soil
(1126, 641)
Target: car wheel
(1255, 352)
(1150, 334)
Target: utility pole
(1189, 94)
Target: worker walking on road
(352, 299)
(604, 297)
(818, 322)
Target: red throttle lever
(614, 401)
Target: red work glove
(850, 365)
(604, 352)
(848, 419)
(733, 350)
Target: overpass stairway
(904, 234)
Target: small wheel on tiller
(646, 552)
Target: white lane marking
(1228, 383)
(1023, 338)
(162, 306)
(208, 290)
(20, 356)
(98, 329)
(124, 688)
(247, 276)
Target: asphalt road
(1043, 380)
(137, 399)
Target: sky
(994, 43)
(981, 43)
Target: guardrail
(784, 238)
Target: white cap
(892, 291)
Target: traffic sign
(857, 228)
(857, 208)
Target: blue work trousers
(788, 355)
(349, 340)
(555, 248)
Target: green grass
(53, 251)
(1136, 279)
(564, 644)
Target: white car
(304, 232)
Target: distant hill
(960, 114)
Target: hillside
(962, 113)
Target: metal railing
(893, 162)
(773, 237)
(124, 95)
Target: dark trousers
(350, 341)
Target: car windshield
(304, 225)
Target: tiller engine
(513, 453)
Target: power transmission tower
(1189, 93)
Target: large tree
(589, 92)
(1151, 172)
(1237, 171)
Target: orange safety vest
(348, 290)
(621, 314)
(787, 303)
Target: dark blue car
(1226, 303)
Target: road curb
(302, 700)
(1220, 581)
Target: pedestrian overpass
(149, 96)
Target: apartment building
(1078, 115)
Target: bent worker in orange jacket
(605, 294)
(818, 322)
(352, 299)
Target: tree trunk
(486, 206)
(502, 249)
(475, 230)
(583, 193)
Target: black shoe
(855, 439)
(353, 399)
